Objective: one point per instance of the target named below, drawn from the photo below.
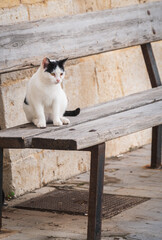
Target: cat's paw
(65, 120)
(39, 123)
(57, 122)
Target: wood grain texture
(23, 45)
(93, 126)
(21, 136)
(99, 131)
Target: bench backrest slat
(23, 45)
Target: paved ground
(125, 175)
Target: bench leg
(1, 180)
(155, 82)
(156, 147)
(96, 192)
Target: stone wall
(89, 80)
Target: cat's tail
(73, 113)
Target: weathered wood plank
(23, 45)
(121, 104)
(98, 131)
(20, 136)
(104, 109)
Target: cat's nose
(57, 80)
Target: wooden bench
(83, 35)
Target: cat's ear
(45, 63)
(62, 62)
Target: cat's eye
(61, 74)
(53, 74)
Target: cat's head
(53, 70)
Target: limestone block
(104, 4)
(109, 75)
(108, 79)
(17, 154)
(132, 70)
(7, 179)
(50, 9)
(118, 3)
(92, 5)
(26, 175)
(80, 83)
(124, 144)
(146, 1)
(13, 97)
(62, 164)
(13, 89)
(78, 6)
(13, 15)
(57, 8)
(11, 78)
(31, 1)
(9, 3)
(89, 6)
(6, 157)
(42, 167)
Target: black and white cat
(45, 99)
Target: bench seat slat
(16, 136)
(98, 131)
(79, 35)
(21, 136)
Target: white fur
(46, 99)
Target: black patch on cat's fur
(52, 65)
(25, 101)
(61, 63)
(73, 113)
